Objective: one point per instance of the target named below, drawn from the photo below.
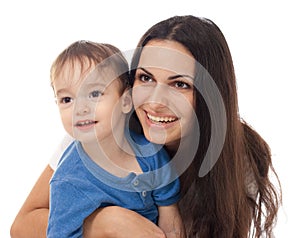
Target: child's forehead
(76, 74)
(73, 70)
(87, 71)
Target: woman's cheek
(140, 95)
(186, 112)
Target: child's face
(90, 103)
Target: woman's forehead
(168, 55)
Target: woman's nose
(159, 95)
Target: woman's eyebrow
(146, 71)
(169, 78)
(180, 76)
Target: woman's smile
(161, 119)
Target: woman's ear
(126, 102)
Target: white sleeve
(67, 140)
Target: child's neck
(117, 158)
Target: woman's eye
(145, 78)
(180, 84)
(95, 94)
(66, 100)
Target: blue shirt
(79, 186)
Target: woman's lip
(158, 114)
(158, 120)
(162, 119)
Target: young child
(106, 164)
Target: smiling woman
(163, 93)
(216, 202)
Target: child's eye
(95, 94)
(65, 100)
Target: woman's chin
(156, 136)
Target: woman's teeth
(161, 119)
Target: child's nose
(82, 107)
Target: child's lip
(84, 123)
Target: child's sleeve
(166, 197)
(68, 209)
(166, 181)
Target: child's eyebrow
(85, 86)
(98, 84)
(61, 91)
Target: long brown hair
(236, 194)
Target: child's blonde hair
(89, 54)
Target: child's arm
(69, 206)
(170, 221)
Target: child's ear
(126, 102)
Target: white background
(264, 40)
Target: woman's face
(163, 91)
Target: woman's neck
(172, 147)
